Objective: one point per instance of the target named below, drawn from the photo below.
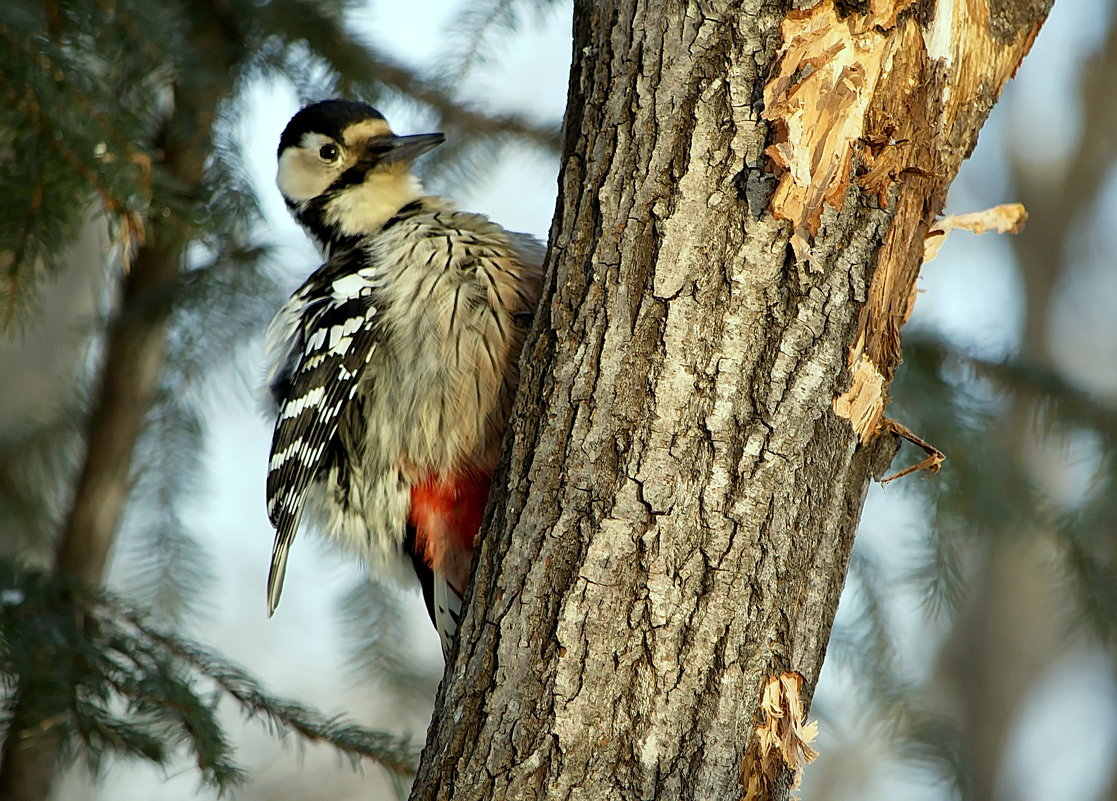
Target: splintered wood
(782, 743)
(863, 403)
(827, 77)
(1008, 218)
(931, 463)
(889, 99)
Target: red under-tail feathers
(446, 514)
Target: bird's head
(342, 171)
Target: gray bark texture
(681, 497)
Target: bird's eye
(328, 152)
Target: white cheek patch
(302, 175)
(298, 180)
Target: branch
(327, 37)
(1027, 378)
(114, 684)
(411, 84)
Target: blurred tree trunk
(702, 400)
(131, 364)
(42, 362)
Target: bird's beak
(409, 148)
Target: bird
(393, 368)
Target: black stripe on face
(375, 152)
(312, 216)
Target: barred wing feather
(335, 341)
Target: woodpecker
(392, 369)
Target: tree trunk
(702, 395)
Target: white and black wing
(333, 328)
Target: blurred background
(973, 655)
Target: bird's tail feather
(447, 611)
(278, 569)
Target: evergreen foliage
(993, 491)
(114, 685)
(123, 115)
(984, 498)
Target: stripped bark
(681, 495)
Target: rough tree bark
(744, 200)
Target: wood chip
(1007, 218)
(783, 738)
(863, 403)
